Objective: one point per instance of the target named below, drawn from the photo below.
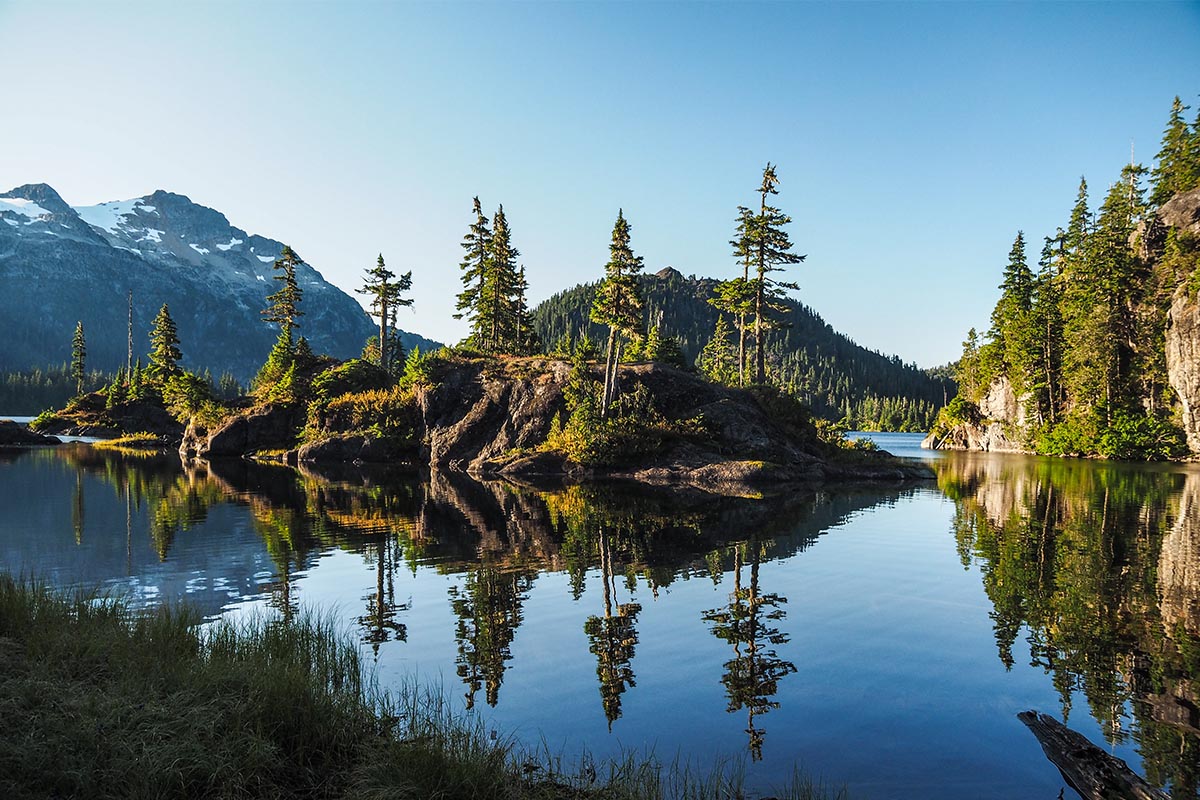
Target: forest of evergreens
(1082, 339)
(839, 379)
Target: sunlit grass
(101, 701)
(128, 442)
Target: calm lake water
(883, 638)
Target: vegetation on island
(377, 395)
(1081, 340)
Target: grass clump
(102, 701)
(130, 441)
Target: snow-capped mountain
(59, 265)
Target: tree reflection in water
(612, 637)
(1099, 565)
(488, 608)
(752, 676)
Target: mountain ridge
(76, 263)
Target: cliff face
(1183, 361)
(1001, 418)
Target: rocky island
(524, 419)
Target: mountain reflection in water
(608, 617)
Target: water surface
(882, 638)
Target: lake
(882, 638)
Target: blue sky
(912, 140)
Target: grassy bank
(100, 701)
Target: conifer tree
(283, 306)
(1178, 168)
(618, 303)
(477, 243)
(283, 309)
(1012, 319)
(384, 289)
(525, 337)
(718, 360)
(497, 308)
(771, 248)
(164, 348)
(1047, 319)
(78, 357)
(737, 296)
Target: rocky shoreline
(492, 419)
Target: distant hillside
(60, 265)
(825, 369)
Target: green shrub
(355, 375)
(45, 420)
(1137, 437)
(383, 413)
(959, 411)
(1074, 436)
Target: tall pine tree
(771, 250)
(478, 245)
(283, 306)
(164, 349)
(1178, 168)
(385, 291)
(78, 357)
(618, 304)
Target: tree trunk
(606, 395)
(1090, 771)
(760, 369)
(741, 349)
(383, 337)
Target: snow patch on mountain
(234, 242)
(23, 207)
(201, 250)
(113, 215)
(266, 259)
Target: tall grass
(100, 701)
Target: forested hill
(838, 378)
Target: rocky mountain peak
(42, 194)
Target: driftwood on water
(1093, 773)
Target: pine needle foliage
(617, 304)
(164, 348)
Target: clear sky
(912, 140)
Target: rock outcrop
(1000, 415)
(490, 418)
(1183, 361)
(90, 416)
(272, 427)
(15, 435)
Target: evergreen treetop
(283, 306)
(164, 348)
(1178, 168)
(78, 357)
(477, 243)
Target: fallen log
(1090, 771)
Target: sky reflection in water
(884, 638)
